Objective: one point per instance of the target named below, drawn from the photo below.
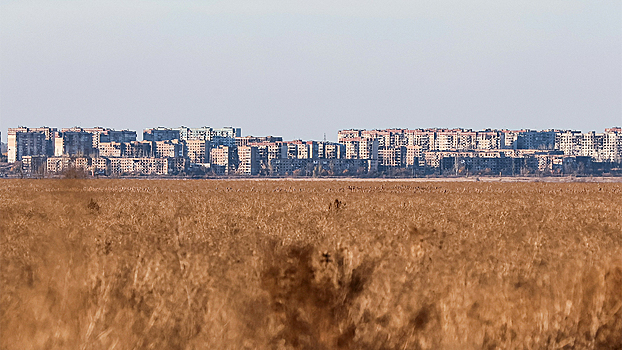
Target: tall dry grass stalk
(129, 264)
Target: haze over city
(300, 70)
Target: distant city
(206, 152)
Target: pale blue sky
(301, 69)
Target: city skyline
(207, 151)
(140, 131)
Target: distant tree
(317, 170)
(73, 172)
(16, 168)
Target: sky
(302, 69)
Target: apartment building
(227, 132)
(200, 134)
(413, 156)
(292, 148)
(100, 134)
(382, 136)
(100, 165)
(138, 149)
(466, 140)
(132, 149)
(490, 139)
(73, 144)
(510, 139)
(330, 150)
(246, 140)
(22, 144)
(591, 144)
(169, 149)
(142, 166)
(351, 147)
(368, 149)
(308, 167)
(612, 145)
(197, 151)
(343, 135)
(111, 149)
(307, 150)
(248, 160)
(276, 150)
(161, 134)
(24, 141)
(392, 157)
(34, 165)
(569, 142)
(532, 139)
(446, 140)
(426, 139)
(222, 136)
(224, 159)
(63, 163)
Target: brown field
(135, 264)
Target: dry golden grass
(131, 264)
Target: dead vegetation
(131, 264)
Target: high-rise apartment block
(111, 149)
(198, 151)
(30, 142)
(169, 149)
(249, 160)
(73, 143)
(161, 134)
(100, 134)
(224, 159)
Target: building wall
(224, 159)
(28, 141)
(169, 149)
(198, 151)
(249, 160)
(73, 143)
(160, 134)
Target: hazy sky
(299, 69)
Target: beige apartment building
(392, 157)
(198, 151)
(63, 163)
(111, 149)
(142, 166)
(34, 165)
(169, 149)
(223, 159)
(248, 160)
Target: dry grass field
(150, 264)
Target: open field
(134, 264)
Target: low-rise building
(392, 157)
(56, 165)
(142, 166)
(34, 165)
